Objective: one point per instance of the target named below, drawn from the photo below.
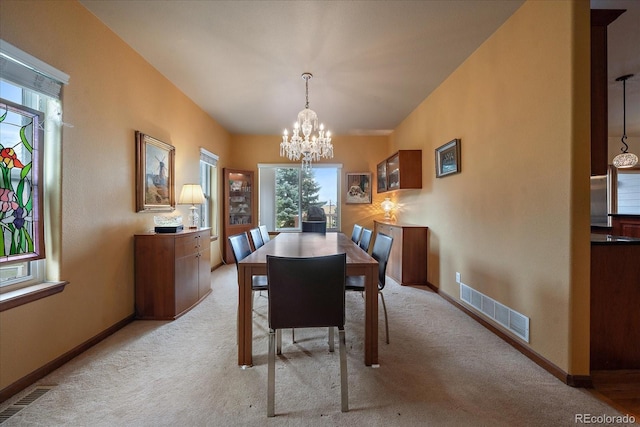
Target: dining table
(292, 244)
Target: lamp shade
(191, 195)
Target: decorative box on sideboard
(408, 259)
(172, 272)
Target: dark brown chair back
(240, 247)
(256, 238)
(381, 251)
(306, 292)
(314, 227)
(355, 234)
(365, 239)
(265, 233)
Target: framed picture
(448, 158)
(154, 174)
(358, 188)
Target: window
(628, 191)
(286, 192)
(209, 184)
(30, 112)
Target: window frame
(209, 183)
(265, 211)
(29, 73)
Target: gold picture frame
(155, 164)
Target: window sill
(29, 294)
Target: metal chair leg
(293, 335)
(331, 339)
(386, 322)
(271, 375)
(344, 383)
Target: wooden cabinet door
(239, 207)
(204, 266)
(186, 279)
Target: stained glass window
(21, 137)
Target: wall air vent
(515, 322)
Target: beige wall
(355, 153)
(112, 92)
(515, 221)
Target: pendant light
(624, 159)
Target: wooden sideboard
(408, 259)
(172, 272)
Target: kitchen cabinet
(408, 258)
(172, 272)
(239, 206)
(625, 225)
(403, 170)
(600, 19)
(615, 298)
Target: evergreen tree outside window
(287, 192)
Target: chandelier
(624, 159)
(306, 146)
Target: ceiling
(373, 61)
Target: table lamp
(387, 205)
(192, 195)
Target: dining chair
(256, 238)
(306, 293)
(365, 239)
(314, 227)
(381, 251)
(355, 234)
(241, 249)
(265, 233)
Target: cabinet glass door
(382, 176)
(393, 172)
(239, 191)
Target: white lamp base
(194, 218)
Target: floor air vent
(512, 320)
(27, 400)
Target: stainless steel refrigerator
(603, 198)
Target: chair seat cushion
(354, 283)
(259, 283)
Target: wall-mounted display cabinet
(402, 170)
(239, 206)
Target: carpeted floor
(440, 369)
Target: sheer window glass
(209, 184)
(286, 192)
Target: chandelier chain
(624, 159)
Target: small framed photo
(448, 158)
(358, 188)
(154, 174)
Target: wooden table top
(310, 245)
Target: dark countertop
(607, 239)
(625, 215)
